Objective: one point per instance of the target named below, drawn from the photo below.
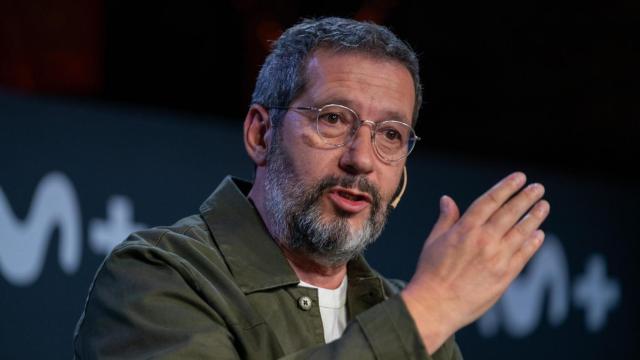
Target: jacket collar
(254, 259)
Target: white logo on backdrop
(24, 244)
(521, 308)
(105, 234)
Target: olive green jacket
(215, 285)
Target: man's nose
(358, 155)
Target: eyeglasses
(336, 125)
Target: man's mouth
(348, 200)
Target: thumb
(449, 214)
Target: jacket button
(305, 303)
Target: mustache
(349, 181)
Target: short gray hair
(282, 76)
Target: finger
(526, 251)
(526, 227)
(505, 217)
(484, 206)
(449, 214)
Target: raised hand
(468, 262)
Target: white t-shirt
(333, 310)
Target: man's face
(331, 202)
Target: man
(274, 268)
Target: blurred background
(118, 115)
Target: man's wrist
(432, 327)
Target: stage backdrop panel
(75, 179)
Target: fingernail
(535, 188)
(518, 178)
(444, 204)
(541, 209)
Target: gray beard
(297, 222)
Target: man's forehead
(347, 78)
(320, 55)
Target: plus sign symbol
(595, 293)
(107, 233)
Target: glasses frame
(372, 124)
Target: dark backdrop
(76, 179)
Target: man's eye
(332, 118)
(392, 135)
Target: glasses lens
(394, 139)
(335, 124)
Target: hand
(468, 262)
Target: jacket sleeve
(143, 305)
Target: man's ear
(257, 136)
